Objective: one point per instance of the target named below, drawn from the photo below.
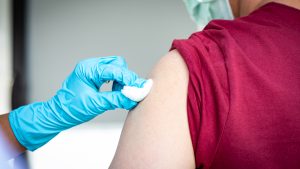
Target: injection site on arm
(137, 94)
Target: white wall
(5, 57)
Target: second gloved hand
(78, 101)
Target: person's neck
(291, 3)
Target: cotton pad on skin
(137, 94)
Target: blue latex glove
(78, 101)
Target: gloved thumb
(139, 82)
(112, 100)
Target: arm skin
(9, 135)
(156, 133)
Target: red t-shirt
(244, 90)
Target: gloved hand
(78, 101)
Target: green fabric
(203, 11)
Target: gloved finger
(86, 70)
(139, 82)
(112, 100)
(120, 74)
(119, 61)
(117, 86)
(93, 62)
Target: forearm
(9, 136)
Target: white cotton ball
(137, 94)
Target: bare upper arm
(156, 133)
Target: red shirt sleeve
(243, 94)
(207, 103)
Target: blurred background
(42, 40)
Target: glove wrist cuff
(29, 128)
